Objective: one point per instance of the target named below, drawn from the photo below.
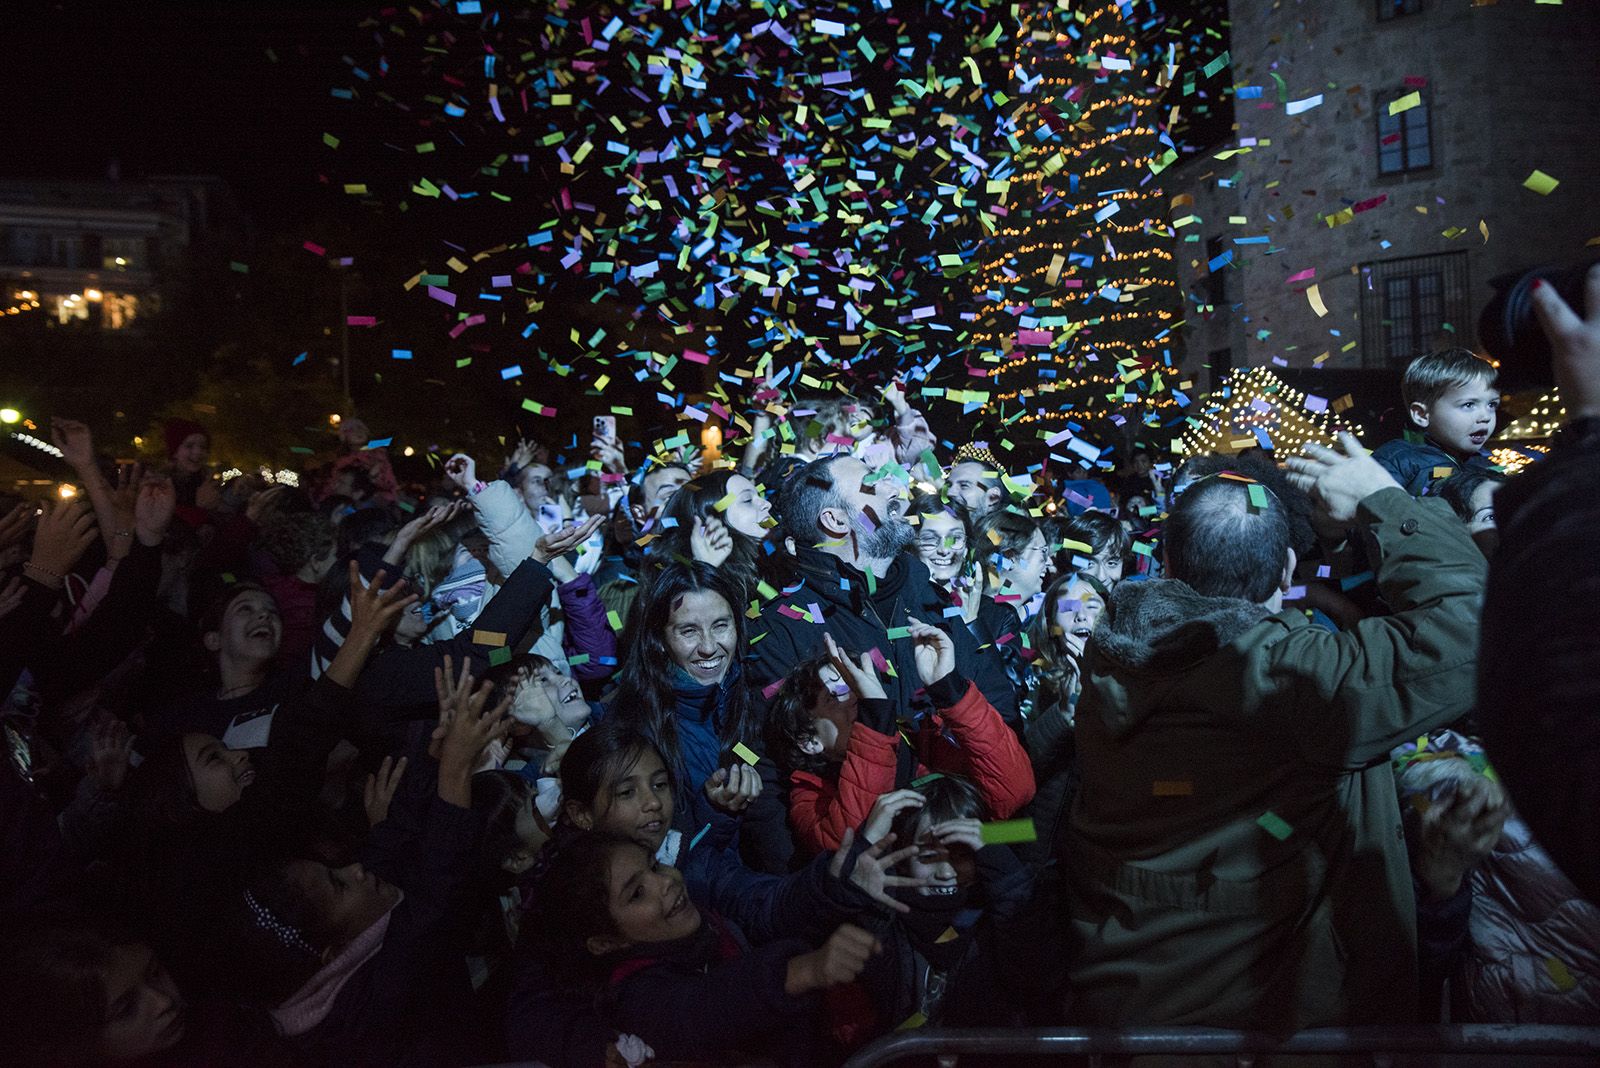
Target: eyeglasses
(934, 542)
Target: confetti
(1007, 832)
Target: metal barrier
(1508, 1040)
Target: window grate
(1414, 306)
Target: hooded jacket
(1235, 854)
(832, 597)
(965, 737)
(1534, 956)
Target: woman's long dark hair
(645, 697)
(748, 564)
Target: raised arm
(1391, 677)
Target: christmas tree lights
(1077, 293)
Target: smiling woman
(682, 685)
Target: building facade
(1377, 183)
(100, 253)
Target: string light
(1542, 419)
(1257, 409)
(1100, 284)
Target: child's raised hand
(885, 809)
(935, 651)
(863, 677)
(841, 960)
(868, 869)
(463, 471)
(472, 731)
(380, 789)
(732, 789)
(374, 609)
(965, 833)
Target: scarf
(311, 1004)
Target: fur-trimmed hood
(1161, 628)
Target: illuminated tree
(1077, 295)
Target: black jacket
(859, 614)
(410, 1004)
(1539, 665)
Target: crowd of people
(658, 759)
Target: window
(1413, 306)
(1396, 9)
(1221, 362)
(66, 250)
(122, 254)
(1405, 141)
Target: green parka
(1234, 856)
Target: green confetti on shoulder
(1274, 825)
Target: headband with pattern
(288, 934)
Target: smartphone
(605, 427)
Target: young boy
(1451, 398)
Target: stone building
(100, 253)
(1378, 171)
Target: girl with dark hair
(683, 979)
(720, 519)
(682, 683)
(1072, 606)
(616, 784)
(363, 963)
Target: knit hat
(177, 431)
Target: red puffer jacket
(985, 750)
(1535, 952)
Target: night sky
(187, 87)
(176, 86)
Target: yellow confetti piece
(1174, 788)
(493, 638)
(1405, 103)
(1560, 973)
(1540, 183)
(950, 935)
(1314, 294)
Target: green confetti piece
(615, 621)
(745, 753)
(578, 659)
(924, 780)
(499, 656)
(1006, 832)
(1274, 825)
(899, 632)
(1258, 498)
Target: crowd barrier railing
(1518, 1042)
